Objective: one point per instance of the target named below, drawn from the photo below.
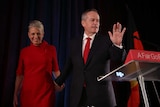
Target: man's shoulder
(102, 36)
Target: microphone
(149, 43)
(136, 37)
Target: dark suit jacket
(100, 93)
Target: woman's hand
(57, 87)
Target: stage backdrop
(61, 19)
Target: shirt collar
(85, 36)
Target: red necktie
(86, 49)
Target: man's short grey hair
(84, 14)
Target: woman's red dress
(36, 63)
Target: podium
(139, 65)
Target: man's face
(91, 23)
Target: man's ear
(83, 23)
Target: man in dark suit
(105, 52)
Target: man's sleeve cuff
(119, 46)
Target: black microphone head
(136, 37)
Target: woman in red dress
(37, 64)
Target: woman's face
(35, 35)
